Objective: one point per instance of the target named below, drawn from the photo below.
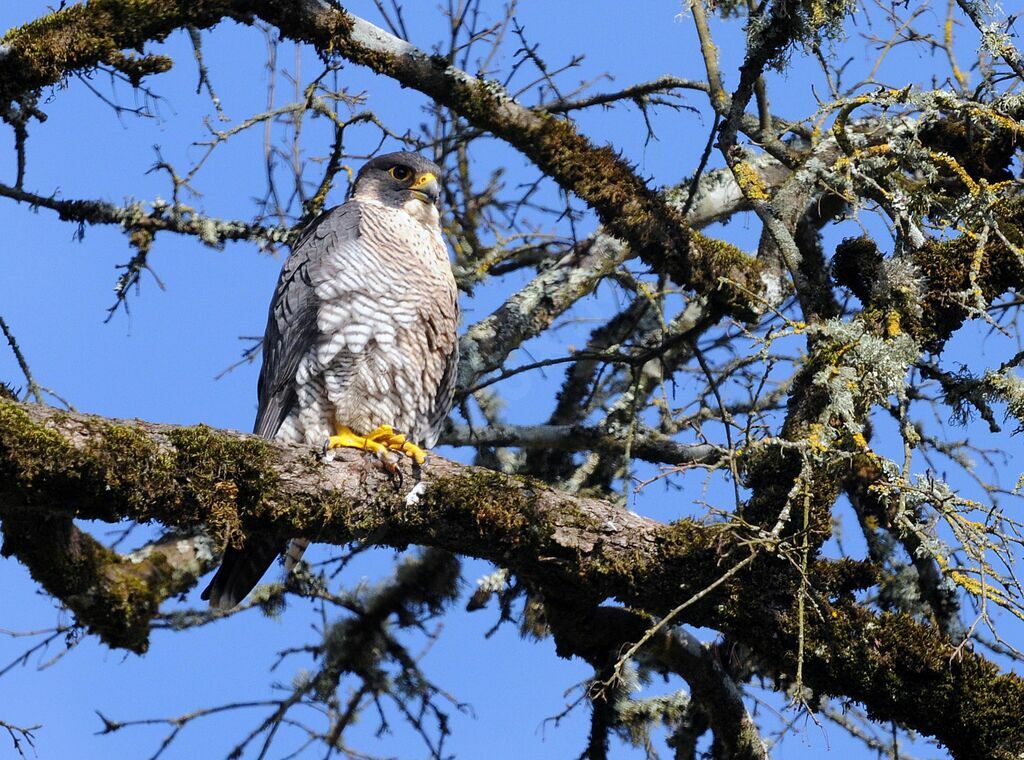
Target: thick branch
(70, 465)
(114, 595)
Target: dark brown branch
(34, 391)
(635, 92)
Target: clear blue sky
(158, 363)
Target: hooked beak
(426, 188)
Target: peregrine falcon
(360, 348)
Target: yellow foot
(380, 441)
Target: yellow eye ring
(401, 173)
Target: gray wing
(291, 332)
(291, 324)
(442, 403)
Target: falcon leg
(380, 441)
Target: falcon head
(402, 180)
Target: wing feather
(291, 330)
(292, 322)
(443, 340)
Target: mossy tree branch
(114, 595)
(81, 37)
(57, 466)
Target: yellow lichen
(892, 324)
(750, 181)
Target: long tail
(240, 571)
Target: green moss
(571, 515)
(226, 476)
(856, 265)
(971, 707)
(984, 152)
(203, 478)
(29, 453)
(136, 68)
(843, 576)
(730, 274)
(769, 472)
(126, 465)
(506, 514)
(622, 569)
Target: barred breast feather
(362, 330)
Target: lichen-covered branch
(136, 219)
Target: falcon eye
(401, 173)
